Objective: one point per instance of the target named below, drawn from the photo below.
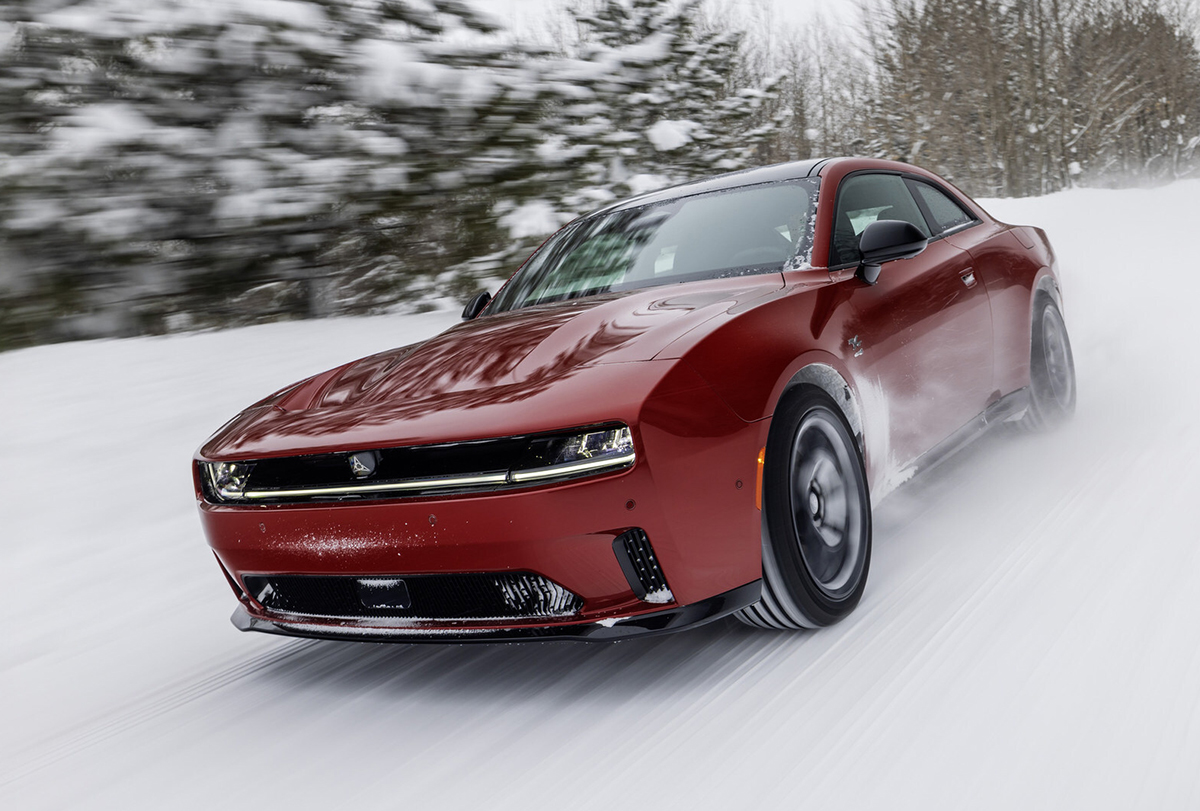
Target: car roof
(732, 180)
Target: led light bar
(572, 468)
(481, 480)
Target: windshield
(755, 229)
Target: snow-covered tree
(245, 160)
(657, 103)
(1025, 98)
(211, 162)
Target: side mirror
(476, 304)
(885, 240)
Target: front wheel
(816, 516)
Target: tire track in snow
(1026, 561)
(886, 630)
(945, 640)
(154, 705)
(767, 665)
(769, 657)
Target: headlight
(228, 479)
(592, 452)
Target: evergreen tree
(283, 158)
(662, 105)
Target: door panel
(920, 348)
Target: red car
(679, 408)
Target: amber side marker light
(762, 455)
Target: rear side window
(863, 199)
(947, 214)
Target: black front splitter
(659, 622)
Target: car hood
(539, 368)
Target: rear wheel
(1051, 369)
(816, 517)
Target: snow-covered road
(1030, 636)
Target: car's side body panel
(916, 349)
(924, 339)
(1011, 272)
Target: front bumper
(377, 630)
(691, 492)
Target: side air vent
(640, 565)
(485, 596)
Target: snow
(120, 17)
(1027, 640)
(535, 218)
(395, 71)
(643, 183)
(666, 135)
(8, 32)
(661, 596)
(100, 126)
(797, 14)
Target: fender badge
(856, 345)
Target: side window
(947, 214)
(863, 199)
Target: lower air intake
(640, 565)
(478, 597)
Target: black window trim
(908, 178)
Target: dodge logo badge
(362, 464)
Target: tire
(1051, 369)
(816, 517)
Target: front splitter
(607, 630)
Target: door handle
(968, 277)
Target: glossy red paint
(563, 532)
(927, 347)
(576, 363)
(695, 370)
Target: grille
(428, 470)
(502, 595)
(640, 565)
